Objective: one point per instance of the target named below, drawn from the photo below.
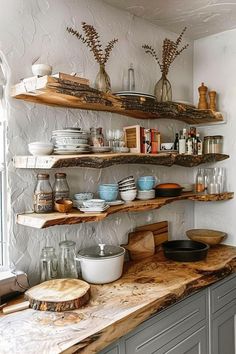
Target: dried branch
(92, 39)
(169, 52)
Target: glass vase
(163, 91)
(102, 81)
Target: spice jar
(48, 264)
(60, 188)
(43, 197)
(96, 137)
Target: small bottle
(199, 144)
(48, 264)
(200, 181)
(176, 142)
(60, 188)
(131, 79)
(189, 145)
(182, 144)
(43, 197)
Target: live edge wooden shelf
(52, 91)
(110, 159)
(41, 221)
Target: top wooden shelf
(53, 91)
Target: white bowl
(40, 150)
(128, 196)
(83, 196)
(41, 69)
(39, 144)
(94, 203)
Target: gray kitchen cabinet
(203, 323)
(222, 298)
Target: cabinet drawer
(166, 326)
(223, 294)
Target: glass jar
(218, 144)
(200, 183)
(96, 137)
(67, 267)
(60, 188)
(48, 264)
(43, 197)
(213, 144)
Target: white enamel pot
(101, 264)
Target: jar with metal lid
(96, 137)
(43, 197)
(218, 144)
(48, 264)
(60, 188)
(213, 144)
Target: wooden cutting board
(159, 230)
(145, 240)
(58, 295)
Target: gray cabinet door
(196, 343)
(114, 348)
(223, 332)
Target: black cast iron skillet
(185, 250)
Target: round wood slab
(58, 295)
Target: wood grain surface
(111, 159)
(41, 221)
(64, 93)
(58, 295)
(159, 230)
(114, 309)
(140, 245)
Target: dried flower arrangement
(92, 40)
(169, 52)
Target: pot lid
(101, 251)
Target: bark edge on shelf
(111, 159)
(41, 221)
(63, 93)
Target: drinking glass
(48, 264)
(67, 267)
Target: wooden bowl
(210, 237)
(63, 205)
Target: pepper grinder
(212, 98)
(202, 104)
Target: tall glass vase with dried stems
(170, 50)
(92, 39)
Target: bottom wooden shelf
(41, 221)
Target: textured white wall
(214, 64)
(37, 28)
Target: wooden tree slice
(58, 295)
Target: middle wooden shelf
(41, 221)
(110, 159)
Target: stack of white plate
(146, 195)
(134, 94)
(69, 141)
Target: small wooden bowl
(210, 237)
(63, 205)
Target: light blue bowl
(108, 195)
(146, 184)
(108, 186)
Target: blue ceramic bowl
(108, 186)
(146, 184)
(108, 195)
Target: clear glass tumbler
(48, 264)
(67, 267)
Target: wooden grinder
(202, 104)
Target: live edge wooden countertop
(114, 309)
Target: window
(3, 180)
(2, 197)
